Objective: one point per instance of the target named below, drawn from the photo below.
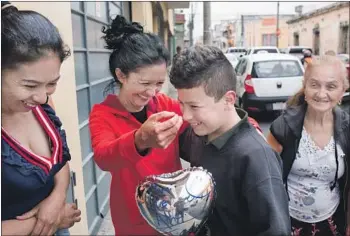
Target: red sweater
(112, 130)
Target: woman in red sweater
(124, 127)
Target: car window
(269, 50)
(238, 65)
(298, 50)
(277, 68)
(243, 66)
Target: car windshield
(236, 50)
(277, 68)
(268, 50)
(298, 50)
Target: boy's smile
(205, 115)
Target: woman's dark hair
(26, 36)
(132, 48)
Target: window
(298, 50)
(241, 67)
(269, 50)
(344, 39)
(278, 68)
(296, 39)
(269, 40)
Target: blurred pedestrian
(307, 57)
(311, 139)
(178, 50)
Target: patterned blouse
(310, 180)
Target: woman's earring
(339, 103)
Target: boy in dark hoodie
(251, 198)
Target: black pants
(333, 226)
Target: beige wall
(255, 29)
(329, 29)
(171, 21)
(142, 12)
(65, 96)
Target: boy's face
(205, 116)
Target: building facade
(261, 30)
(84, 76)
(219, 40)
(180, 23)
(324, 29)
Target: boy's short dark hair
(203, 65)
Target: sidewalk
(106, 226)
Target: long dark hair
(132, 48)
(26, 36)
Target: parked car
(232, 58)
(282, 50)
(297, 51)
(345, 59)
(266, 81)
(237, 51)
(264, 49)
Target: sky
(230, 10)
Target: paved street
(265, 120)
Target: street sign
(278, 32)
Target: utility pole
(278, 23)
(190, 25)
(206, 23)
(242, 31)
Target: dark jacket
(287, 130)
(251, 198)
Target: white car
(266, 81)
(297, 51)
(237, 51)
(232, 58)
(262, 49)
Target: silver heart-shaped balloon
(177, 203)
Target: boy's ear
(230, 97)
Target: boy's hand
(158, 131)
